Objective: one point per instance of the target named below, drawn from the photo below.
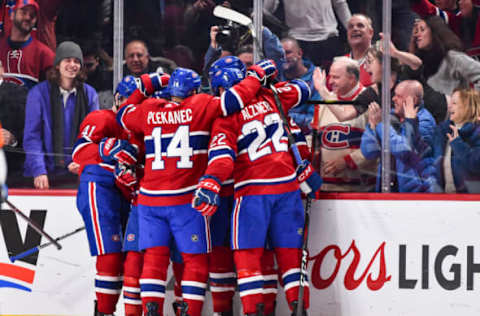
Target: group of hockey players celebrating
(205, 181)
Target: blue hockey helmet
(126, 87)
(225, 78)
(183, 82)
(226, 72)
(228, 62)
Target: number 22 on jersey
(257, 149)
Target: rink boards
(369, 254)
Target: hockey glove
(163, 93)
(310, 181)
(153, 82)
(206, 195)
(117, 150)
(125, 175)
(265, 71)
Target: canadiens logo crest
(130, 237)
(340, 136)
(14, 80)
(335, 136)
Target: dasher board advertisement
(393, 254)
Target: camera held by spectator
(228, 36)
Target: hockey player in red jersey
(104, 195)
(223, 74)
(101, 204)
(127, 180)
(222, 277)
(132, 296)
(176, 135)
(253, 145)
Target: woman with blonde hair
(456, 146)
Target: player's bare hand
(41, 182)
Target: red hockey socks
(194, 281)
(154, 275)
(250, 278)
(289, 260)
(222, 278)
(131, 285)
(270, 276)
(108, 281)
(177, 273)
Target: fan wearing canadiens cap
(7, 8)
(46, 20)
(24, 58)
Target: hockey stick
(303, 267)
(315, 128)
(33, 250)
(33, 225)
(339, 102)
(291, 138)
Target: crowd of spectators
(56, 55)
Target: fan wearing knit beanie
(55, 109)
(68, 49)
(68, 62)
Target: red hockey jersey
(96, 125)
(254, 145)
(25, 65)
(176, 140)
